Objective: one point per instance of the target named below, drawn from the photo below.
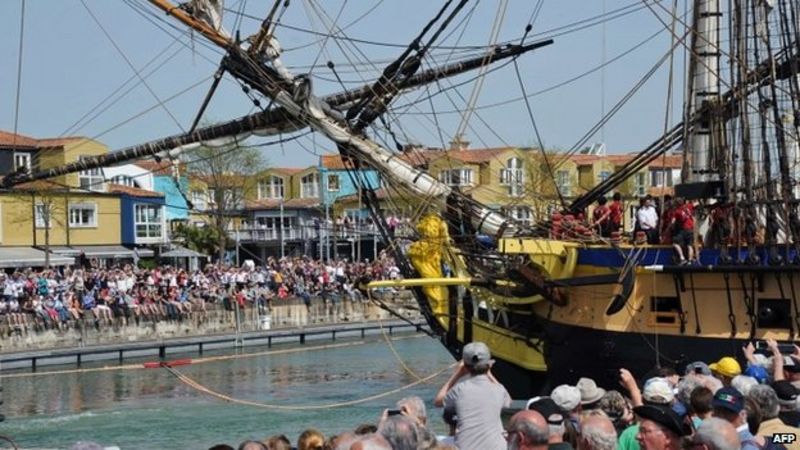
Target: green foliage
(147, 263)
(205, 240)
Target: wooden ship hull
(673, 315)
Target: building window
(271, 188)
(232, 199)
(83, 215)
(309, 186)
(43, 216)
(199, 200)
(639, 184)
(125, 180)
(22, 160)
(658, 176)
(91, 179)
(148, 222)
(562, 180)
(212, 196)
(513, 176)
(333, 183)
(604, 175)
(522, 214)
(456, 177)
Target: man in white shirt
(647, 220)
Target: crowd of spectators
(57, 299)
(717, 406)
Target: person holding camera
(477, 399)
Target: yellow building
(70, 215)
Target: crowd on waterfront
(723, 405)
(47, 299)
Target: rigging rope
(19, 75)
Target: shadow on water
(150, 408)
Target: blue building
(166, 179)
(337, 183)
(142, 216)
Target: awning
(182, 252)
(103, 251)
(30, 257)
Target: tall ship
(554, 298)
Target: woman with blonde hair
(310, 439)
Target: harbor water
(151, 408)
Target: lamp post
(280, 228)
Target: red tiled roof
(331, 162)
(584, 160)
(671, 161)
(288, 203)
(40, 185)
(288, 170)
(475, 156)
(136, 192)
(8, 139)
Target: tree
(229, 172)
(201, 239)
(48, 209)
(542, 185)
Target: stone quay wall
(280, 314)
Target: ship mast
(704, 89)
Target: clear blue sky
(69, 66)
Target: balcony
(311, 232)
(269, 234)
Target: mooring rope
(199, 387)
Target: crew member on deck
(647, 220)
(601, 218)
(615, 210)
(682, 227)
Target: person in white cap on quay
(477, 399)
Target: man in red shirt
(615, 212)
(682, 224)
(601, 217)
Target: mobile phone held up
(393, 412)
(786, 349)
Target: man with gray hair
(767, 400)
(414, 408)
(371, 442)
(527, 430)
(400, 431)
(477, 399)
(716, 434)
(597, 433)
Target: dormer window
(456, 177)
(271, 188)
(309, 186)
(513, 176)
(125, 180)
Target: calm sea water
(151, 409)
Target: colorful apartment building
(81, 214)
